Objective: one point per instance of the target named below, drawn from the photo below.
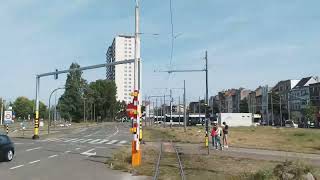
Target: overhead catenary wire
(172, 34)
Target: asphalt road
(78, 155)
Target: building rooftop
(303, 82)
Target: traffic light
(56, 75)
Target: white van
(290, 124)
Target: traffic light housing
(56, 75)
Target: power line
(172, 33)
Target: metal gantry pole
(36, 119)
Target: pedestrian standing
(213, 134)
(225, 135)
(219, 134)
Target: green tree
(103, 94)
(23, 107)
(310, 112)
(71, 102)
(244, 106)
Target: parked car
(290, 124)
(6, 148)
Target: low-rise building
(280, 93)
(299, 98)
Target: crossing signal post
(134, 113)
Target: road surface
(78, 155)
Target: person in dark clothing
(225, 135)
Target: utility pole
(137, 128)
(161, 109)
(184, 106)
(165, 111)
(289, 112)
(154, 111)
(206, 104)
(280, 111)
(94, 113)
(268, 120)
(55, 108)
(157, 114)
(149, 111)
(212, 106)
(170, 108)
(84, 110)
(179, 110)
(272, 116)
(199, 108)
(206, 99)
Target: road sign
(8, 117)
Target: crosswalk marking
(86, 140)
(90, 141)
(103, 141)
(94, 141)
(78, 140)
(112, 142)
(122, 142)
(70, 140)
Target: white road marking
(86, 140)
(103, 141)
(123, 142)
(117, 131)
(77, 140)
(18, 143)
(33, 149)
(71, 140)
(89, 153)
(67, 152)
(78, 148)
(94, 141)
(32, 162)
(112, 142)
(52, 156)
(17, 167)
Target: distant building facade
(121, 49)
(299, 98)
(280, 94)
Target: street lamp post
(49, 121)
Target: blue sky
(249, 42)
